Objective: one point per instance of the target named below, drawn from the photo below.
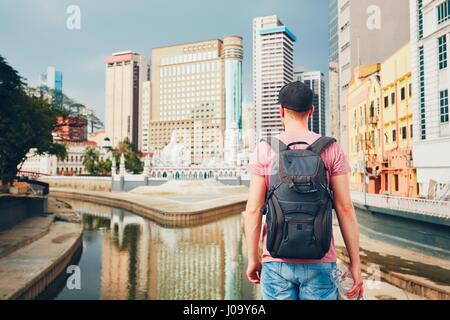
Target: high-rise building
(430, 30)
(248, 123)
(125, 76)
(273, 68)
(333, 71)
(190, 83)
(145, 116)
(369, 32)
(53, 80)
(316, 82)
(233, 53)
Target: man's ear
(311, 112)
(282, 112)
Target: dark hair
(296, 96)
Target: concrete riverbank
(414, 272)
(37, 251)
(186, 204)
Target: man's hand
(358, 286)
(254, 271)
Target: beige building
(188, 97)
(125, 75)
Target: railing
(428, 207)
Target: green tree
(25, 122)
(93, 164)
(131, 154)
(90, 160)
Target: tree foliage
(94, 165)
(25, 122)
(131, 153)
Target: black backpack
(299, 202)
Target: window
(420, 17)
(404, 133)
(443, 102)
(386, 101)
(403, 93)
(410, 89)
(394, 135)
(442, 42)
(423, 126)
(393, 98)
(443, 11)
(396, 182)
(411, 131)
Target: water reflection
(134, 258)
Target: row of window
(190, 57)
(443, 11)
(443, 104)
(190, 69)
(442, 46)
(404, 134)
(393, 96)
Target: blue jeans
(288, 281)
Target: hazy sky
(33, 34)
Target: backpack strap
(274, 143)
(321, 145)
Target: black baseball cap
(296, 96)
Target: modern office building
(190, 83)
(273, 67)
(316, 82)
(369, 32)
(430, 28)
(53, 80)
(144, 129)
(125, 76)
(233, 53)
(249, 141)
(333, 71)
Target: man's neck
(299, 127)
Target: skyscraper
(144, 128)
(233, 54)
(53, 80)
(125, 75)
(333, 70)
(196, 96)
(316, 81)
(430, 94)
(273, 67)
(369, 32)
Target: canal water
(126, 257)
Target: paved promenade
(177, 203)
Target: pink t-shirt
(261, 165)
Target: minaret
(122, 165)
(233, 53)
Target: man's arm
(349, 229)
(253, 221)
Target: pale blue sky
(33, 34)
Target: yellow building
(398, 177)
(363, 113)
(379, 114)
